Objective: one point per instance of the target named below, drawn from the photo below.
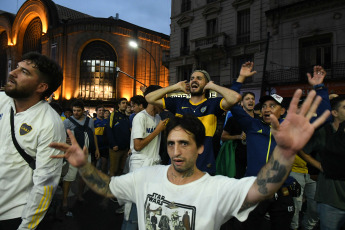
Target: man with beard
(206, 109)
(26, 191)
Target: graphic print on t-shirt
(163, 214)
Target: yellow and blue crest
(203, 109)
(25, 129)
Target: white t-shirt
(143, 125)
(23, 192)
(206, 203)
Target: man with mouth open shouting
(180, 188)
(204, 108)
(260, 145)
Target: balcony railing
(209, 41)
(298, 74)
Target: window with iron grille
(97, 72)
(212, 27)
(185, 5)
(316, 50)
(32, 36)
(243, 26)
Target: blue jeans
(308, 188)
(330, 218)
(132, 222)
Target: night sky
(151, 14)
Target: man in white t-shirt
(169, 192)
(145, 142)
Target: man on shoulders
(206, 109)
(181, 187)
(27, 190)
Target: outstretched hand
(76, 156)
(296, 130)
(318, 76)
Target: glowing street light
(135, 45)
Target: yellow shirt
(299, 165)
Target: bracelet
(319, 86)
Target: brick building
(89, 49)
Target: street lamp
(135, 45)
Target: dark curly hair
(48, 70)
(79, 104)
(139, 100)
(191, 124)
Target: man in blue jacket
(118, 134)
(260, 145)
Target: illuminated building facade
(88, 49)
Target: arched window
(32, 36)
(3, 58)
(97, 72)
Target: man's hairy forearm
(96, 180)
(231, 97)
(152, 97)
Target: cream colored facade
(219, 35)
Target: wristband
(319, 86)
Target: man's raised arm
(231, 97)
(156, 96)
(95, 179)
(291, 136)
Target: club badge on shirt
(203, 109)
(25, 129)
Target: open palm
(76, 156)
(296, 130)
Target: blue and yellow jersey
(100, 126)
(207, 111)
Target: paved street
(89, 215)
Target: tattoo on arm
(246, 205)
(275, 173)
(96, 180)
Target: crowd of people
(285, 160)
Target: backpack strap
(86, 124)
(74, 121)
(27, 158)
